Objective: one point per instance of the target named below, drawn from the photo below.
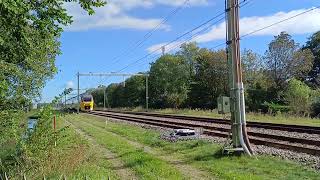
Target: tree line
(285, 78)
(29, 44)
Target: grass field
(73, 158)
(254, 117)
(149, 157)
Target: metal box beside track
(223, 104)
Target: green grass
(254, 117)
(206, 156)
(73, 158)
(145, 165)
(9, 143)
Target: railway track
(302, 145)
(273, 126)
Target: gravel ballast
(302, 158)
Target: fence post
(54, 128)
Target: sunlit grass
(145, 165)
(73, 158)
(207, 156)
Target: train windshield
(86, 99)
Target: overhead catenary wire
(279, 22)
(241, 4)
(138, 43)
(172, 41)
(184, 41)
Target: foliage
(10, 136)
(189, 52)
(39, 144)
(29, 44)
(315, 108)
(298, 94)
(169, 81)
(255, 98)
(131, 93)
(210, 79)
(274, 108)
(194, 77)
(313, 44)
(98, 96)
(253, 70)
(134, 91)
(284, 60)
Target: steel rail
(273, 126)
(255, 138)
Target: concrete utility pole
(104, 98)
(240, 140)
(78, 76)
(65, 98)
(147, 94)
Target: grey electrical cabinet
(223, 105)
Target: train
(86, 103)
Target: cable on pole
(241, 4)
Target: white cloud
(69, 84)
(306, 23)
(116, 14)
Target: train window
(86, 99)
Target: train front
(86, 103)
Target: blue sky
(91, 43)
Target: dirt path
(186, 169)
(120, 169)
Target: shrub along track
(281, 141)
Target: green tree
(169, 81)
(111, 94)
(189, 52)
(210, 80)
(313, 44)
(98, 95)
(252, 67)
(117, 95)
(285, 60)
(257, 84)
(298, 95)
(134, 91)
(29, 44)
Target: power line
(149, 34)
(273, 24)
(184, 41)
(174, 40)
(241, 4)
(304, 12)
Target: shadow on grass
(217, 154)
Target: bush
(275, 108)
(298, 95)
(9, 138)
(24, 150)
(315, 108)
